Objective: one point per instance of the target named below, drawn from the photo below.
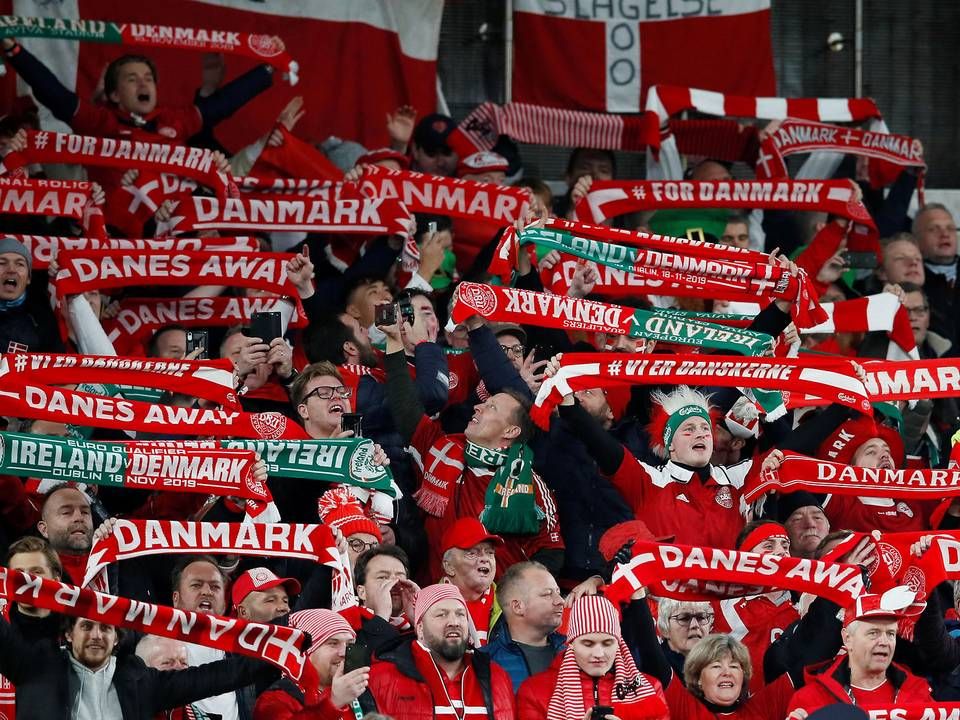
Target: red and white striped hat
(431, 595)
(898, 602)
(322, 624)
(593, 614)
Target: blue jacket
(505, 652)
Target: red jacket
(769, 704)
(283, 701)
(534, 695)
(829, 682)
(398, 689)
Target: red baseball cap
(897, 602)
(465, 533)
(260, 579)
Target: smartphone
(860, 260)
(385, 314)
(199, 339)
(431, 228)
(352, 421)
(266, 326)
(600, 712)
(357, 656)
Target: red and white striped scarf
(667, 100)
(552, 126)
(880, 312)
(825, 377)
(461, 697)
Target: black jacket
(41, 676)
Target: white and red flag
(593, 55)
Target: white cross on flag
(602, 55)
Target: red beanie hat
(843, 444)
(341, 509)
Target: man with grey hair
(682, 625)
(526, 641)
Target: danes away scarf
(250, 45)
(799, 472)
(138, 318)
(279, 645)
(208, 379)
(692, 573)
(83, 270)
(611, 198)
(468, 199)
(53, 147)
(661, 264)
(53, 198)
(513, 305)
(367, 216)
(825, 377)
(26, 399)
(145, 466)
(800, 136)
(142, 538)
(43, 248)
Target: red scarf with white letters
(52, 198)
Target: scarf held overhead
(694, 573)
(368, 216)
(52, 198)
(422, 193)
(258, 47)
(514, 305)
(279, 645)
(207, 379)
(53, 147)
(824, 377)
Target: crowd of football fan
(455, 618)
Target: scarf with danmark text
(52, 198)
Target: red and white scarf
(437, 195)
(463, 701)
(138, 318)
(26, 399)
(279, 645)
(799, 136)
(52, 198)
(208, 379)
(611, 198)
(667, 100)
(122, 153)
(831, 378)
(43, 248)
(799, 472)
(258, 186)
(142, 538)
(369, 216)
(552, 126)
(694, 573)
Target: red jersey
(430, 448)
(464, 376)
(768, 704)
(861, 514)
(671, 500)
(756, 621)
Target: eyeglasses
(515, 350)
(917, 311)
(325, 392)
(684, 619)
(359, 546)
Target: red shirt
(673, 501)
(429, 447)
(881, 695)
(851, 512)
(756, 621)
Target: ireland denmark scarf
(505, 304)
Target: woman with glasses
(595, 671)
(682, 625)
